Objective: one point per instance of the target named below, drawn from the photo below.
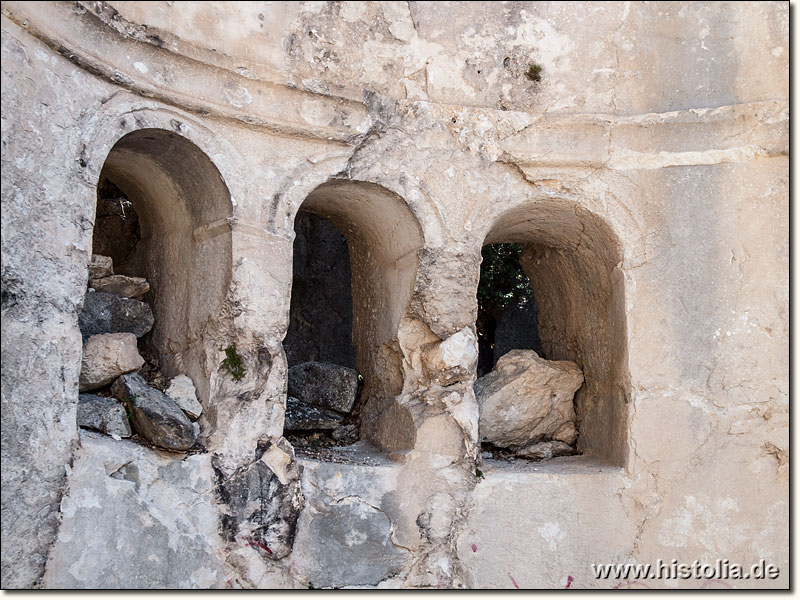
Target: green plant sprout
(534, 72)
(233, 362)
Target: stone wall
(646, 171)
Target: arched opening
(359, 242)
(570, 257)
(163, 215)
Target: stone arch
(184, 208)
(572, 258)
(383, 239)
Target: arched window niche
(571, 257)
(180, 243)
(382, 239)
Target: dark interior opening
(321, 313)
(320, 332)
(508, 317)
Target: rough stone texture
(264, 502)
(300, 415)
(370, 525)
(128, 505)
(108, 313)
(154, 415)
(100, 266)
(106, 357)
(121, 285)
(646, 174)
(181, 389)
(527, 399)
(454, 359)
(106, 415)
(324, 385)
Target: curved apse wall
(383, 237)
(184, 208)
(570, 256)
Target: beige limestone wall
(664, 126)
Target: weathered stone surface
(454, 358)
(106, 415)
(121, 285)
(100, 266)
(494, 523)
(346, 535)
(300, 415)
(126, 521)
(108, 313)
(181, 389)
(261, 510)
(527, 399)
(324, 385)
(545, 450)
(155, 416)
(106, 357)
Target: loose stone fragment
(182, 390)
(121, 285)
(545, 450)
(108, 313)
(301, 416)
(100, 266)
(155, 416)
(103, 414)
(527, 399)
(324, 385)
(106, 357)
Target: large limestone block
(106, 357)
(155, 416)
(527, 399)
(134, 518)
(108, 313)
(103, 414)
(121, 285)
(349, 532)
(324, 385)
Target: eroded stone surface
(262, 510)
(155, 416)
(135, 518)
(345, 539)
(324, 385)
(108, 313)
(106, 415)
(106, 357)
(527, 399)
